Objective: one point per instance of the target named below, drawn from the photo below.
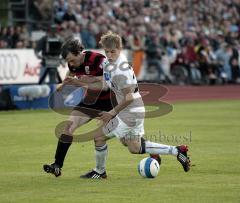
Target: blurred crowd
(185, 41)
(15, 37)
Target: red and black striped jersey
(91, 67)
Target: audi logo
(9, 66)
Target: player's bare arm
(60, 86)
(128, 99)
(90, 79)
(96, 84)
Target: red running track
(201, 93)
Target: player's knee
(123, 141)
(137, 146)
(72, 129)
(134, 149)
(67, 127)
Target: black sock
(61, 151)
(143, 146)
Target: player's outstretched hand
(105, 116)
(70, 81)
(59, 87)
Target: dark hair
(71, 46)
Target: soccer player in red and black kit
(82, 65)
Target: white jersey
(129, 121)
(120, 75)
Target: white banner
(18, 66)
(21, 67)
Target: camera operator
(48, 50)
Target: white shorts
(119, 128)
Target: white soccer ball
(148, 168)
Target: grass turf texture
(27, 142)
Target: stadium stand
(183, 42)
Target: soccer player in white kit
(126, 120)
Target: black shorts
(93, 110)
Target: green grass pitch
(27, 142)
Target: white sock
(101, 157)
(156, 148)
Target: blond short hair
(111, 40)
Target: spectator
(223, 55)
(60, 8)
(44, 8)
(153, 56)
(191, 63)
(137, 45)
(20, 45)
(4, 37)
(69, 15)
(88, 38)
(235, 63)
